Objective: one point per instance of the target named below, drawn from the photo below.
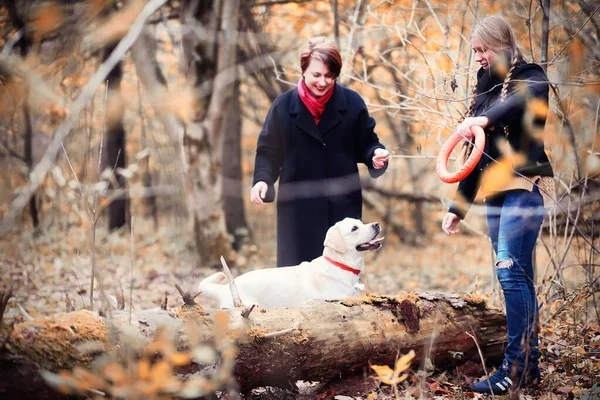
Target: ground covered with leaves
(50, 273)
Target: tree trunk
(212, 57)
(545, 32)
(276, 346)
(166, 144)
(24, 47)
(33, 209)
(233, 180)
(115, 156)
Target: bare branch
(237, 302)
(41, 170)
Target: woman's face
(485, 57)
(317, 77)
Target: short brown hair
(322, 49)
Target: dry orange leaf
(538, 108)
(392, 377)
(179, 359)
(115, 372)
(160, 371)
(576, 56)
(221, 324)
(498, 175)
(143, 369)
(87, 380)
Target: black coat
(319, 183)
(528, 83)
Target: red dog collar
(342, 266)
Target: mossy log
(277, 346)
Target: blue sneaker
(499, 383)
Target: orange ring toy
(474, 157)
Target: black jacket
(319, 183)
(528, 82)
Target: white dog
(334, 275)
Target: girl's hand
(258, 192)
(450, 223)
(380, 157)
(464, 128)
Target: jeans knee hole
(508, 263)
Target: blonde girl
(506, 87)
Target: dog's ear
(335, 240)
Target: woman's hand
(450, 223)
(380, 157)
(258, 192)
(464, 128)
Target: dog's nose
(376, 225)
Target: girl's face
(317, 77)
(485, 57)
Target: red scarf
(316, 105)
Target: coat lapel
(304, 119)
(333, 111)
(330, 118)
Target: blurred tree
(25, 44)
(115, 155)
(209, 54)
(254, 52)
(233, 183)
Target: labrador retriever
(334, 275)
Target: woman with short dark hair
(312, 140)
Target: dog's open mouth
(373, 244)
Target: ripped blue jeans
(514, 220)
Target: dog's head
(352, 235)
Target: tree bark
(166, 144)
(545, 32)
(29, 137)
(276, 346)
(211, 56)
(233, 185)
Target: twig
(575, 34)
(165, 301)
(237, 302)
(97, 392)
(41, 170)
(188, 298)
(482, 361)
(131, 263)
(247, 311)
(277, 334)
(24, 313)
(69, 306)
(435, 17)
(94, 212)
(11, 42)
(355, 18)
(419, 157)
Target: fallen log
(276, 347)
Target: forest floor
(44, 269)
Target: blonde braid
(471, 108)
(504, 92)
(467, 146)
